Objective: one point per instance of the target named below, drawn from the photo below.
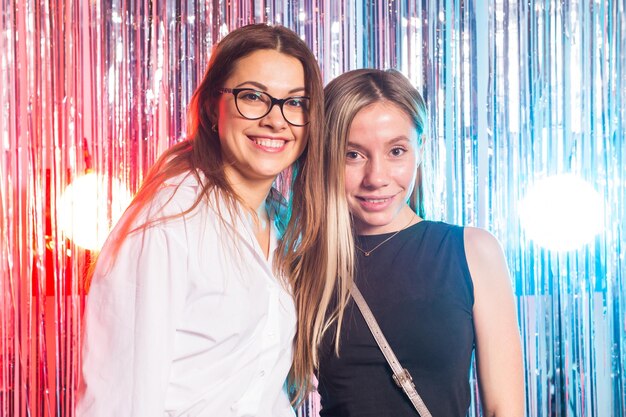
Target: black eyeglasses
(253, 105)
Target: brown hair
(302, 254)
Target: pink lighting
(86, 214)
(92, 92)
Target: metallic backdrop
(516, 90)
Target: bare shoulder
(480, 241)
(485, 257)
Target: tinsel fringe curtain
(516, 91)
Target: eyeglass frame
(274, 101)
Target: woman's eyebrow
(263, 87)
(401, 138)
(394, 140)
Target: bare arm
(498, 346)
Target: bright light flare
(84, 209)
(562, 213)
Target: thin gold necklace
(369, 252)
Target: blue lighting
(561, 213)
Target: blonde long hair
(304, 255)
(344, 97)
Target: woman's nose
(274, 118)
(376, 173)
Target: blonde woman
(196, 307)
(439, 292)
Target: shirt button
(262, 373)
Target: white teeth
(269, 143)
(378, 200)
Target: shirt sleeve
(130, 324)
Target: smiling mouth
(374, 200)
(269, 143)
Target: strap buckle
(401, 378)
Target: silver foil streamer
(516, 91)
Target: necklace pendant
(367, 253)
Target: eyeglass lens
(253, 104)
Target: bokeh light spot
(562, 213)
(87, 214)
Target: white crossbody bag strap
(401, 376)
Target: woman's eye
(398, 151)
(296, 103)
(250, 96)
(352, 155)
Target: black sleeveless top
(419, 288)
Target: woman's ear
(420, 150)
(422, 139)
(212, 111)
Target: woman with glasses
(193, 302)
(440, 293)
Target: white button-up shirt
(187, 320)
